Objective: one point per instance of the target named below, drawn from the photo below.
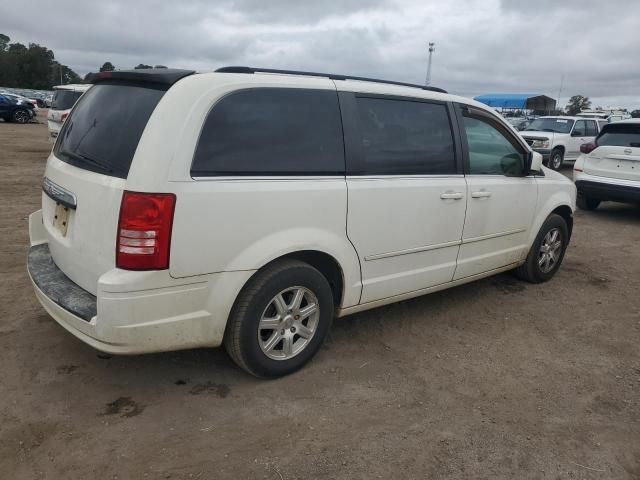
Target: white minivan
(250, 207)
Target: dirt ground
(495, 379)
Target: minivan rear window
(64, 99)
(104, 129)
(622, 135)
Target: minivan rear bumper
(134, 312)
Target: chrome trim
(408, 251)
(437, 246)
(59, 194)
(492, 235)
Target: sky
(482, 46)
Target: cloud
(482, 46)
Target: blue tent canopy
(522, 101)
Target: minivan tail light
(63, 117)
(144, 231)
(588, 147)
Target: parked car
(13, 109)
(64, 98)
(609, 167)
(609, 115)
(186, 210)
(21, 98)
(558, 139)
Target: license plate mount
(61, 219)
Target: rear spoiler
(162, 76)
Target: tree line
(35, 66)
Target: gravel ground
(495, 379)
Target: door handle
(480, 194)
(451, 195)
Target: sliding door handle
(451, 196)
(480, 194)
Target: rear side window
(592, 130)
(403, 137)
(621, 135)
(64, 99)
(272, 131)
(104, 129)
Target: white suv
(249, 207)
(63, 100)
(558, 139)
(609, 167)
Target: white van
(250, 207)
(64, 98)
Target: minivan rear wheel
(280, 319)
(547, 252)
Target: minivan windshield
(64, 99)
(556, 125)
(104, 129)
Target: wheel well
(559, 147)
(565, 212)
(325, 264)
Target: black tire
(531, 271)
(587, 203)
(556, 159)
(242, 332)
(20, 115)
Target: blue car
(14, 110)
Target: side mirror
(534, 162)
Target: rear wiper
(78, 157)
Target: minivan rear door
(86, 175)
(617, 154)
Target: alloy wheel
(550, 250)
(21, 116)
(288, 323)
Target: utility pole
(60, 65)
(558, 107)
(432, 48)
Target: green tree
(30, 67)
(107, 67)
(4, 42)
(577, 103)
(141, 66)
(160, 66)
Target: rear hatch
(86, 175)
(617, 154)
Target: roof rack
(332, 76)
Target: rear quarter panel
(237, 223)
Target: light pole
(432, 48)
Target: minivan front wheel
(280, 319)
(547, 252)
